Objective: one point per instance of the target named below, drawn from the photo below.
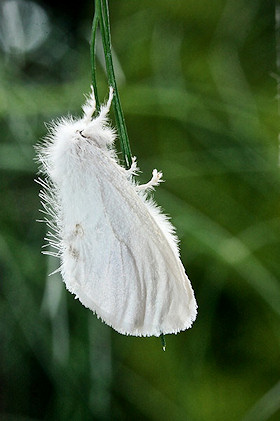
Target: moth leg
(133, 169)
(155, 181)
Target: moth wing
(120, 263)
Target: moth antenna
(106, 108)
(90, 106)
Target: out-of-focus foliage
(199, 96)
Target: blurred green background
(198, 89)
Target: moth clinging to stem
(119, 253)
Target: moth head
(97, 129)
(97, 132)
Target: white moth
(119, 254)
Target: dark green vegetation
(199, 97)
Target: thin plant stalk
(95, 22)
(277, 39)
(101, 16)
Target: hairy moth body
(119, 254)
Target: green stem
(103, 11)
(93, 54)
(163, 342)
